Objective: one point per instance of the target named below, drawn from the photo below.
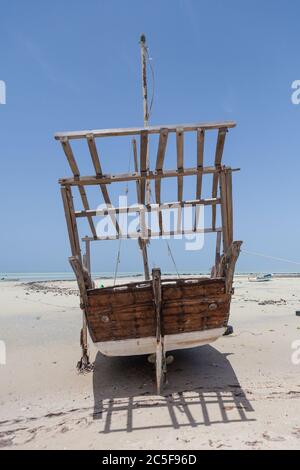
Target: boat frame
(155, 315)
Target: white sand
(241, 392)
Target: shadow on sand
(202, 389)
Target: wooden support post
(66, 193)
(214, 271)
(136, 169)
(84, 282)
(180, 169)
(223, 194)
(163, 138)
(228, 180)
(218, 159)
(160, 353)
(87, 256)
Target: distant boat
(261, 278)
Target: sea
(66, 276)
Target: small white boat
(261, 278)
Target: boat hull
(122, 320)
(140, 346)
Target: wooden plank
(218, 248)
(71, 221)
(137, 235)
(200, 152)
(223, 194)
(136, 169)
(228, 178)
(152, 175)
(218, 159)
(94, 154)
(88, 256)
(143, 164)
(160, 353)
(163, 138)
(162, 144)
(235, 251)
(148, 208)
(139, 130)
(220, 146)
(70, 156)
(180, 168)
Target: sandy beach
(242, 392)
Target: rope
(270, 257)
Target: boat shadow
(202, 389)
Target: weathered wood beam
(136, 235)
(163, 138)
(139, 130)
(152, 175)
(70, 156)
(218, 159)
(160, 352)
(224, 213)
(228, 181)
(148, 208)
(71, 221)
(200, 152)
(136, 169)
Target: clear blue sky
(71, 65)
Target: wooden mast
(143, 242)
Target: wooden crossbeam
(152, 175)
(149, 129)
(137, 235)
(148, 208)
(163, 138)
(218, 160)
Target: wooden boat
(261, 278)
(155, 315)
